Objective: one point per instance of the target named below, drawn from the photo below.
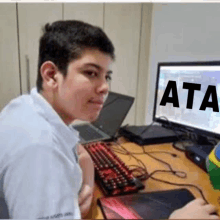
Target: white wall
(181, 32)
(126, 24)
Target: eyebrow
(97, 66)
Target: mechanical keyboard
(112, 175)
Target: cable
(164, 152)
(189, 135)
(175, 173)
(182, 145)
(213, 141)
(141, 172)
(171, 169)
(147, 176)
(151, 152)
(147, 128)
(144, 169)
(176, 184)
(172, 127)
(179, 174)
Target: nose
(102, 87)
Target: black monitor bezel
(174, 124)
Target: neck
(50, 97)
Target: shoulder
(22, 127)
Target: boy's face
(80, 95)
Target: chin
(93, 117)
(90, 118)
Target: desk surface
(195, 175)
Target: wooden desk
(195, 175)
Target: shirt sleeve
(41, 182)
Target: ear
(48, 72)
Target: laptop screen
(113, 112)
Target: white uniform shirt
(39, 172)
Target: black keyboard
(88, 133)
(112, 175)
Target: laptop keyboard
(88, 133)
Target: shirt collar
(43, 108)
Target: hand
(86, 193)
(85, 199)
(196, 209)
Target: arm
(86, 193)
(196, 209)
(39, 183)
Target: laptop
(111, 117)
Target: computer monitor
(187, 96)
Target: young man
(40, 174)
(44, 172)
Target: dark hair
(64, 41)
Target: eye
(91, 73)
(108, 78)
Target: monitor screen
(188, 94)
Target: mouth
(98, 103)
